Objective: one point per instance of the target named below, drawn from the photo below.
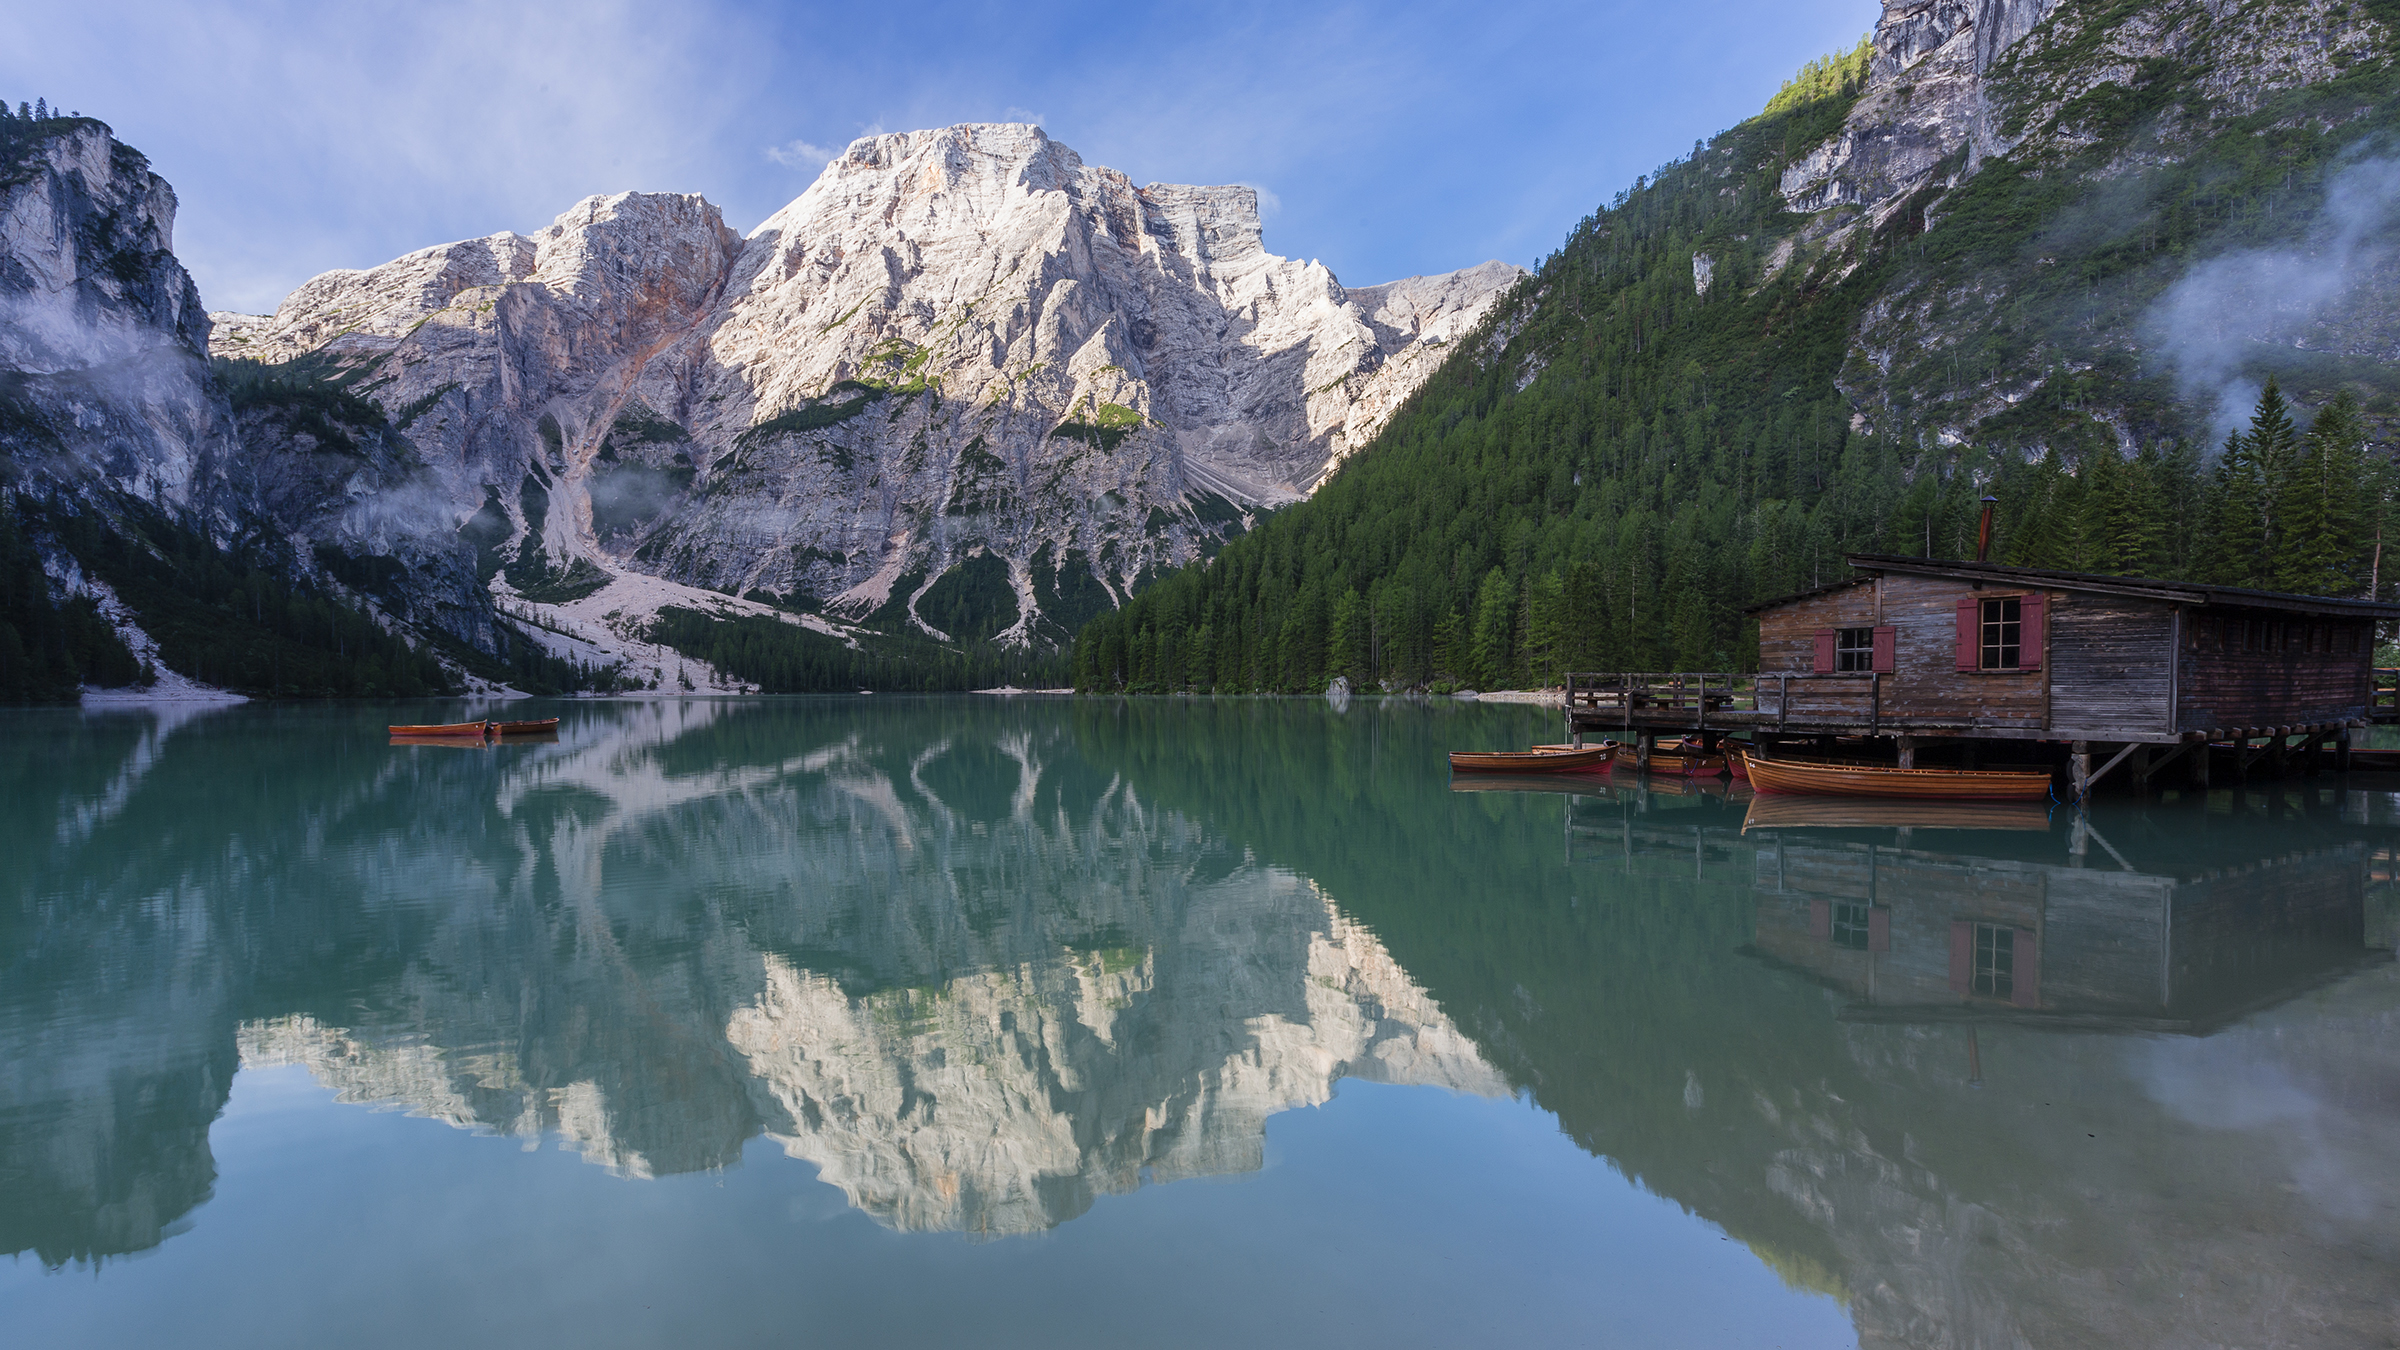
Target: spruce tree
(2274, 448)
(2237, 531)
(2322, 510)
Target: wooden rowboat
(1540, 759)
(446, 729)
(449, 730)
(1676, 759)
(1828, 778)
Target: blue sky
(1389, 139)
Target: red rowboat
(448, 730)
(1540, 759)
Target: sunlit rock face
(956, 344)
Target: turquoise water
(1064, 1022)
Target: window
(1854, 649)
(1995, 960)
(2003, 631)
(2346, 639)
(1850, 925)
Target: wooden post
(2278, 756)
(1641, 751)
(1908, 752)
(2079, 768)
(1973, 754)
(2141, 770)
(2341, 751)
(2200, 758)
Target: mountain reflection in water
(2131, 1078)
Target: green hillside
(1620, 461)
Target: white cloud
(1268, 203)
(1021, 115)
(801, 155)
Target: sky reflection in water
(992, 973)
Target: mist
(2209, 325)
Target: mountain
(961, 395)
(2056, 252)
(966, 386)
(153, 522)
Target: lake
(1059, 1022)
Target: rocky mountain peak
(960, 354)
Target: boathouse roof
(2175, 592)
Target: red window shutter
(1970, 632)
(1887, 641)
(1820, 920)
(1879, 929)
(1962, 955)
(2036, 614)
(2025, 970)
(1824, 651)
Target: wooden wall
(2111, 666)
(1926, 687)
(2258, 668)
(2111, 670)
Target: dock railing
(1724, 700)
(2383, 695)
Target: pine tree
(1346, 645)
(2322, 509)
(2237, 529)
(1494, 607)
(2274, 448)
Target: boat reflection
(1781, 811)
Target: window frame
(2000, 632)
(1849, 659)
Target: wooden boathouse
(1977, 661)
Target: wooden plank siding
(2259, 668)
(2111, 667)
(1925, 688)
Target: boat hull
(1675, 763)
(1540, 759)
(1824, 779)
(536, 727)
(447, 729)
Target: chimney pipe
(1983, 532)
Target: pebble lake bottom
(1067, 1022)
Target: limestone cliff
(2119, 132)
(110, 411)
(956, 345)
